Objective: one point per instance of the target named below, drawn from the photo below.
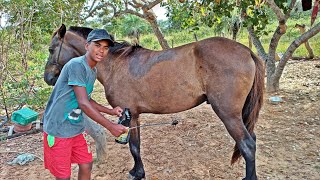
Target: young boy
(65, 139)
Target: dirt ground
(199, 147)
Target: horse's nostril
(53, 81)
(50, 79)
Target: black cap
(99, 34)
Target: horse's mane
(81, 31)
(123, 48)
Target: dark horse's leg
(137, 172)
(245, 142)
(231, 116)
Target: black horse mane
(81, 31)
(124, 48)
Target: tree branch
(276, 10)
(154, 3)
(294, 45)
(146, 6)
(137, 3)
(93, 10)
(92, 5)
(102, 6)
(257, 43)
(132, 12)
(291, 6)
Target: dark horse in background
(222, 72)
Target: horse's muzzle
(50, 78)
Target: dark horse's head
(67, 44)
(64, 46)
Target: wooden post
(250, 42)
(302, 29)
(195, 36)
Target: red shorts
(65, 151)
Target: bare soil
(199, 147)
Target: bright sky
(2, 21)
(160, 12)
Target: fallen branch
(32, 131)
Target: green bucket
(24, 116)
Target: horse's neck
(118, 64)
(77, 42)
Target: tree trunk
(163, 42)
(273, 83)
(256, 42)
(271, 67)
(309, 49)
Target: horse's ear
(112, 37)
(62, 31)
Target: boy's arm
(94, 114)
(115, 111)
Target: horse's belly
(162, 102)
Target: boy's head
(99, 34)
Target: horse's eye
(51, 50)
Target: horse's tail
(252, 106)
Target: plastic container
(24, 116)
(275, 100)
(19, 128)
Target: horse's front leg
(137, 172)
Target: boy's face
(97, 50)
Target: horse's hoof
(254, 178)
(131, 177)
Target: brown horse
(222, 72)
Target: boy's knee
(86, 168)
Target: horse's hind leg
(231, 116)
(97, 132)
(247, 148)
(137, 172)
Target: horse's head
(64, 46)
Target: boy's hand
(118, 129)
(117, 111)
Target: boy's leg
(85, 171)
(57, 158)
(82, 155)
(62, 178)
